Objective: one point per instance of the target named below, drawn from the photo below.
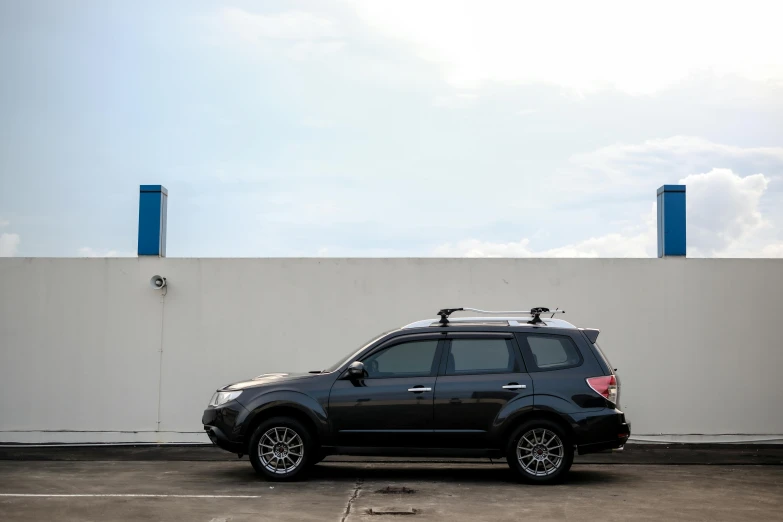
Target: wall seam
(160, 352)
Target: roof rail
(534, 312)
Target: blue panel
(152, 220)
(671, 221)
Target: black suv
(528, 389)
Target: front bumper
(220, 440)
(224, 426)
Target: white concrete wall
(90, 353)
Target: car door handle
(419, 389)
(514, 386)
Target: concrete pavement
(223, 491)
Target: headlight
(222, 397)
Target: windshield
(354, 354)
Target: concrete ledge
(675, 454)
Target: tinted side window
(412, 359)
(470, 356)
(551, 352)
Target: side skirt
(367, 451)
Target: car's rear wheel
(280, 449)
(539, 452)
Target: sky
(390, 128)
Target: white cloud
(681, 153)
(91, 252)
(774, 250)
(623, 168)
(9, 243)
(724, 219)
(724, 188)
(4, 223)
(638, 48)
(459, 99)
(291, 25)
(300, 35)
(638, 241)
(723, 211)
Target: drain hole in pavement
(392, 511)
(395, 490)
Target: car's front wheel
(539, 452)
(280, 449)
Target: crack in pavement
(355, 494)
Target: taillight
(605, 386)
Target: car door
(392, 405)
(480, 375)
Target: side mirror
(355, 370)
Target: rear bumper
(602, 431)
(602, 446)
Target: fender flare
(289, 399)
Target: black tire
(540, 462)
(281, 436)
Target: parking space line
(134, 495)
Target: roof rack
(534, 312)
(511, 320)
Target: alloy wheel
(540, 452)
(280, 450)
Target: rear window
(604, 358)
(550, 352)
